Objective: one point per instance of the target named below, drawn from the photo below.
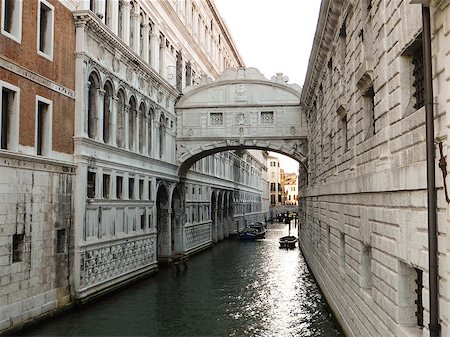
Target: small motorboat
(253, 233)
(288, 241)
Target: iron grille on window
(267, 117)
(216, 118)
(179, 74)
(418, 74)
(418, 301)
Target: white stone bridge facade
(240, 110)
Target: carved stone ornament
(101, 52)
(116, 64)
(167, 102)
(241, 130)
(292, 129)
(159, 97)
(240, 118)
(190, 132)
(141, 82)
(241, 92)
(130, 74)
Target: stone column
(162, 58)
(151, 140)
(125, 127)
(101, 9)
(145, 135)
(114, 10)
(81, 89)
(145, 40)
(137, 119)
(154, 48)
(136, 27)
(86, 108)
(126, 13)
(113, 121)
(100, 114)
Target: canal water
(234, 289)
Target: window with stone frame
(369, 112)
(418, 74)
(9, 116)
(119, 187)
(18, 247)
(216, 118)
(131, 188)
(43, 141)
(366, 267)
(46, 13)
(342, 122)
(91, 177)
(106, 186)
(267, 117)
(12, 19)
(61, 241)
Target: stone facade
(364, 198)
(134, 59)
(37, 103)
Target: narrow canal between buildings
(234, 289)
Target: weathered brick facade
(36, 189)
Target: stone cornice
(330, 11)
(108, 37)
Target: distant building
(274, 178)
(290, 189)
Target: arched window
(131, 122)
(121, 119)
(107, 104)
(141, 127)
(162, 136)
(92, 111)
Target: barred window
(418, 74)
(216, 118)
(267, 117)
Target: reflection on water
(235, 289)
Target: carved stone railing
(110, 260)
(197, 235)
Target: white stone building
(132, 211)
(364, 202)
(274, 180)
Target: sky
(273, 36)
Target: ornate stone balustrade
(104, 263)
(197, 235)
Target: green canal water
(234, 289)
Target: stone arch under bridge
(240, 110)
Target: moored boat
(253, 233)
(288, 241)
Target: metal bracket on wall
(443, 166)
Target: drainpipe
(431, 179)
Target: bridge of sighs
(240, 110)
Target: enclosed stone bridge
(240, 110)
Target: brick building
(37, 83)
